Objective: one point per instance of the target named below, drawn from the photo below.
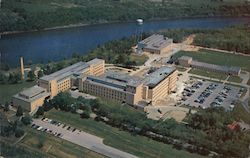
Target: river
(54, 45)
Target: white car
(40, 128)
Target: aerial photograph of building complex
(124, 78)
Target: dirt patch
(192, 48)
(166, 112)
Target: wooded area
(20, 15)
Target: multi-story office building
(130, 89)
(160, 83)
(64, 79)
(116, 87)
(89, 77)
(60, 81)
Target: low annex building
(189, 62)
(154, 44)
(30, 98)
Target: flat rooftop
(129, 80)
(157, 76)
(76, 68)
(31, 94)
(95, 61)
(216, 67)
(156, 41)
(116, 80)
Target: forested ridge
(23, 15)
(236, 38)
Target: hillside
(20, 15)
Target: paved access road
(86, 140)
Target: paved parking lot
(208, 94)
(84, 139)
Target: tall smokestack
(21, 68)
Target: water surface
(42, 46)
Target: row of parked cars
(189, 91)
(57, 123)
(49, 131)
(221, 97)
(206, 93)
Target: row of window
(104, 92)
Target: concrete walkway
(85, 140)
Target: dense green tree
(26, 120)
(21, 15)
(48, 105)
(40, 111)
(14, 78)
(40, 74)
(19, 132)
(19, 111)
(85, 115)
(63, 100)
(6, 106)
(31, 76)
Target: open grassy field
(236, 79)
(240, 113)
(210, 74)
(8, 90)
(180, 68)
(16, 151)
(139, 59)
(137, 145)
(55, 147)
(219, 58)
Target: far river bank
(113, 22)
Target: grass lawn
(219, 58)
(240, 113)
(210, 74)
(137, 145)
(139, 59)
(180, 68)
(8, 90)
(236, 79)
(55, 147)
(16, 151)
